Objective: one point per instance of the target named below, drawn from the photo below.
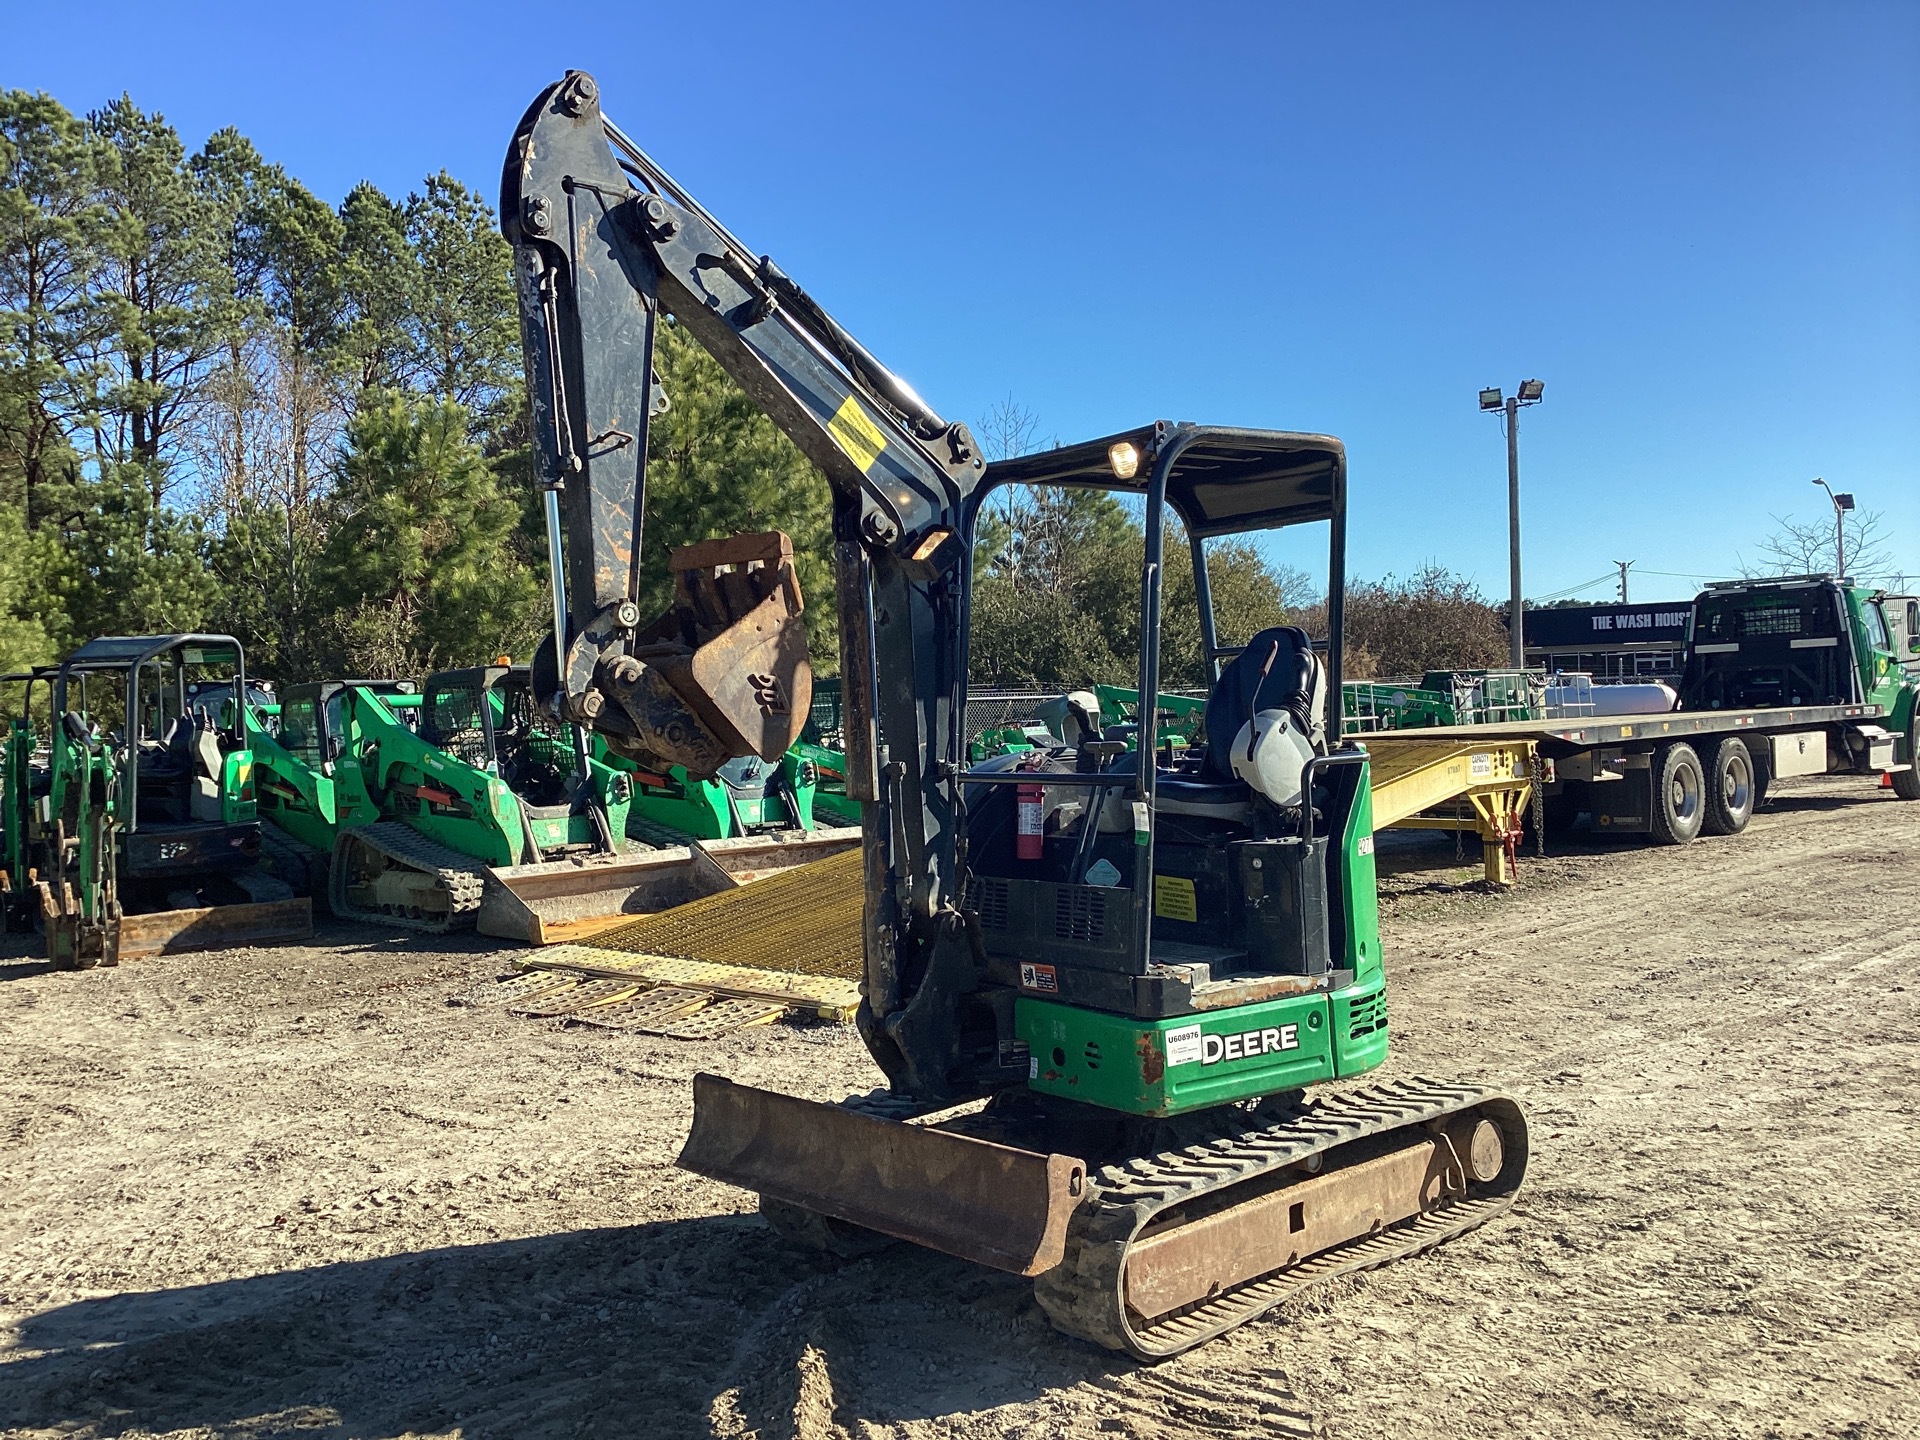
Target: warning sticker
(1040, 979)
(1184, 1046)
(856, 434)
(1173, 898)
(1479, 765)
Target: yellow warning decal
(1174, 899)
(856, 434)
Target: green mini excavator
(1103, 980)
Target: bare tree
(1007, 429)
(1807, 547)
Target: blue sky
(1698, 223)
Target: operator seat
(1214, 791)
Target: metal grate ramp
(802, 921)
(786, 945)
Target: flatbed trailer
(1675, 776)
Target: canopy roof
(116, 652)
(1223, 480)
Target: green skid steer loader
(748, 796)
(471, 816)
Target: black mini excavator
(1100, 977)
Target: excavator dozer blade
(217, 927)
(991, 1204)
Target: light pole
(1490, 400)
(1842, 503)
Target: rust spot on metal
(1153, 1063)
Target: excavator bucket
(993, 1204)
(567, 901)
(725, 671)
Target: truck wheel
(1762, 773)
(1730, 789)
(1906, 783)
(1679, 795)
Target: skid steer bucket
(993, 1204)
(566, 901)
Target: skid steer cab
(489, 720)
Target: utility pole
(1491, 400)
(1623, 564)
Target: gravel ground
(291, 1191)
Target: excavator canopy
(1223, 480)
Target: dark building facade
(1612, 642)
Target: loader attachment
(572, 901)
(215, 927)
(568, 900)
(992, 1204)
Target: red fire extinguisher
(1030, 823)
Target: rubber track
(461, 876)
(652, 835)
(1082, 1295)
(287, 857)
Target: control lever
(1091, 759)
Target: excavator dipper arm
(604, 243)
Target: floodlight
(1124, 458)
(1530, 391)
(1490, 399)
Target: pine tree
(421, 565)
(464, 317)
(159, 285)
(51, 229)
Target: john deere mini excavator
(1099, 981)
(142, 828)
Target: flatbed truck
(1796, 676)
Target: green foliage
(124, 566)
(23, 636)
(420, 569)
(380, 280)
(158, 286)
(464, 317)
(261, 567)
(51, 229)
(1432, 620)
(1056, 594)
(716, 465)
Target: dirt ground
(292, 1192)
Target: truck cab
(1801, 640)
(1810, 641)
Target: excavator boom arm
(604, 244)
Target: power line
(1573, 589)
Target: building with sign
(1611, 642)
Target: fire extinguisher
(1030, 822)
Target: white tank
(1655, 698)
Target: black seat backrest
(1240, 692)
